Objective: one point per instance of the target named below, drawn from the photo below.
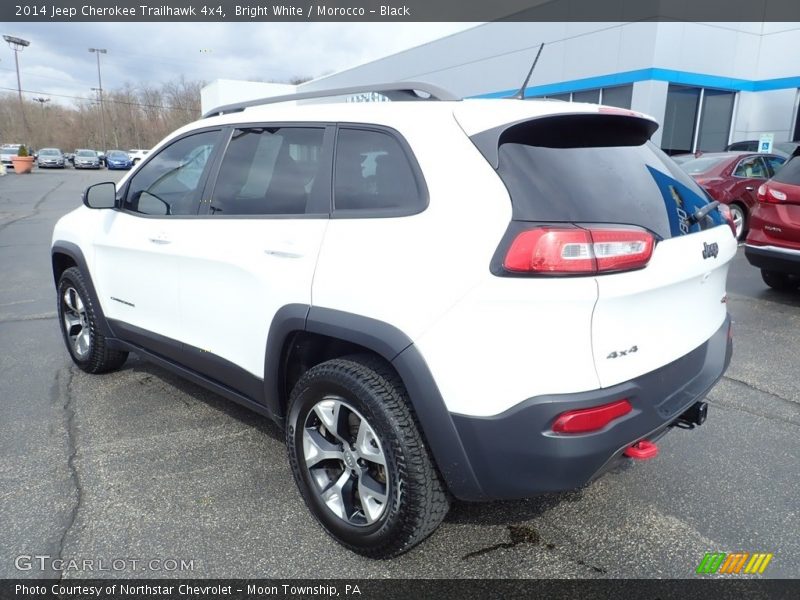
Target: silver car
(50, 158)
(87, 159)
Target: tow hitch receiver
(642, 450)
(694, 416)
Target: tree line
(134, 116)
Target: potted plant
(22, 162)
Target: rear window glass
(789, 173)
(604, 176)
(701, 165)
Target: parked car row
(762, 192)
(81, 158)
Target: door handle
(749, 188)
(161, 238)
(282, 253)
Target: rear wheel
(359, 460)
(739, 220)
(78, 317)
(780, 281)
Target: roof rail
(394, 91)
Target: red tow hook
(642, 450)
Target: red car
(773, 244)
(733, 178)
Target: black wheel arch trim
(398, 350)
(74, 252)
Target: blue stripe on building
(653, 74)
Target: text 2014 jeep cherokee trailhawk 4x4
(474, 299)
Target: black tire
(77, 316)
(783, 282)
(368, 393)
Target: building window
(680, 119)
(796, 136)
(619, 96)
(696, 119)
(715, 120)
(592, 96)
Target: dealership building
(708, 84)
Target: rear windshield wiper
(701, 213)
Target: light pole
(17, 45)
(98, 52)
(42, 101)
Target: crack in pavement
(791, 403)
(776, 412)
(525, 534)
(35, 208)
(65, 387)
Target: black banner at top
(399, 10)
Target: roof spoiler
(568, 130)
(404, 91)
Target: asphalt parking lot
(141, 465)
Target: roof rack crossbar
(394, 91)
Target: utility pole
(98, 52)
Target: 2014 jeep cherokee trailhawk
(475, 299)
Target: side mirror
(101, 195)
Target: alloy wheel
(345, 461)
(76, 322)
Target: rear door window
(774, 164)
(597, 169)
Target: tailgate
(645, 319)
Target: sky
(58, 63)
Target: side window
(373, 173)
(170, 183)
(751, 167)
(774, 164)
(268, 171)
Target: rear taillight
(557, 250)
(591, 419)
(770, 195)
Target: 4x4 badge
(710, 250)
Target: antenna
(521, 93)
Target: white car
(476, 299)
(137, 155)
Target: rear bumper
(773, 258)
(516, 454)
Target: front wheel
(78, 317)
(783, 282)
(359, 459)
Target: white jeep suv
(471, 299)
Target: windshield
(702, 164)
(117, 154)
(49, 152)
(89, 153)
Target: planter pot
(22, 164)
